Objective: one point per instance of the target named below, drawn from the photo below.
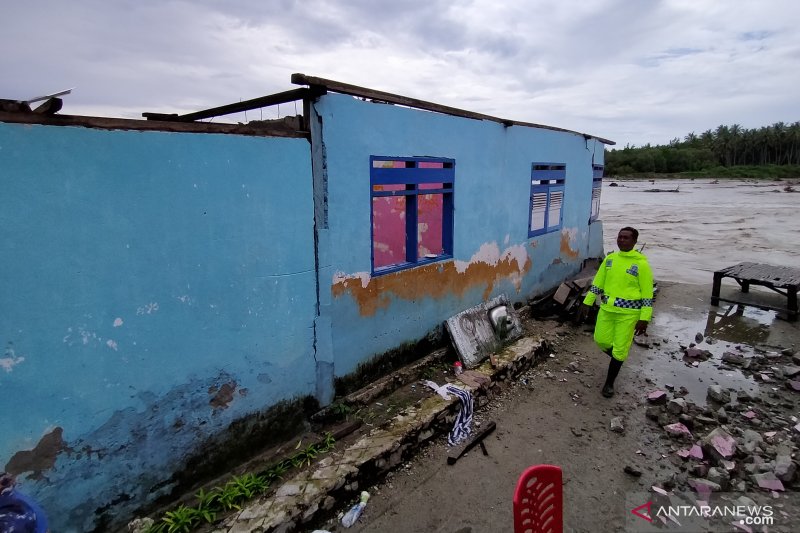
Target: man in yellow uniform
(624, 285)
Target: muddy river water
(686, 236)
(705, 226)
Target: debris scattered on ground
(632, 471)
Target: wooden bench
(783, 280)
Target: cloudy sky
(634, 71)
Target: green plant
(251, 484)
(230, 495)
(429, 372)
(328, 443)
(208, 504)
(341, 409)
(308, 455)
(181, 520)
(237, 490)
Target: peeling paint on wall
(41, 458)
(568, 236)
(147, 309)
(10, 358)
(486, 267)
(222, 397)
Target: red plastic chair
(538, 501)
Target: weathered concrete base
(343, 472)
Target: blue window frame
(547, 197)
(597, 186)
(412, 211)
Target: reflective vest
(624, 284)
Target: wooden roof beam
(247, 105)
(381, 96)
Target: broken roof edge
(280, 128)
(354, 90)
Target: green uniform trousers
(615, 331)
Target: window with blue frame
(547, 197)
(412, 211)
(597, 186)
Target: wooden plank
(237, 107)
(261, 130)
(779, 276)
(758, 305)
(457, 452)
(381, 96)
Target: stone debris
(678, 431)
(658, 397)
(733, 358)
(632, 471)
(719, 444)
(676, 406)
(695, 452)
(697, 353)
(790, 371)
(617, 425)
(718, 394)
(768, 481)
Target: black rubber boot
(613, 369)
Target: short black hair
(633, 232)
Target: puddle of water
(738, 329)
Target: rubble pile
(737, 441)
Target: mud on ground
(554, 414)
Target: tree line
(726, 146)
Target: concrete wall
(492, 253)
(162, 291)
(156, 287)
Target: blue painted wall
(370, 315)
(156, 287)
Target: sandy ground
(563, 420)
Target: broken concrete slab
(704, 486)
(473, 378)
(719, 444)
(678, 431)
(790, 371)
(768, 481)
(695, 452)
(785, 468)
(562, 293)
(658, 397)
(473, 334)
(751, 439)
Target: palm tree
(735, 131)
